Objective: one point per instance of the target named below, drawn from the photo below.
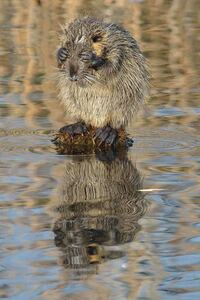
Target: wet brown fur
(112, 93)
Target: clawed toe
(106, 135)
(129, 142)
(54, 139)
(72, 129)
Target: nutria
(103, 77)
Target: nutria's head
(92, 51)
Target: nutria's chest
(94, 105)
(92, 98)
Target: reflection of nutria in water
(103, 77)
(97, 206)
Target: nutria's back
(103, 77)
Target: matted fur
(113, 93)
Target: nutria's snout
(73, 71)
(80, 65)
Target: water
(76, 227)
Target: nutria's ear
(97, 62)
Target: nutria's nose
(73, 70)
(73, 78)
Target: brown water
(78, 228)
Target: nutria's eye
(96, 38)
(62, 54)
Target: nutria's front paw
(107, 135)
(72, 129)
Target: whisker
(89, 77)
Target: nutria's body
(103, 76)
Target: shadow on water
(96, 208)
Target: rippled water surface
(78, 227)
